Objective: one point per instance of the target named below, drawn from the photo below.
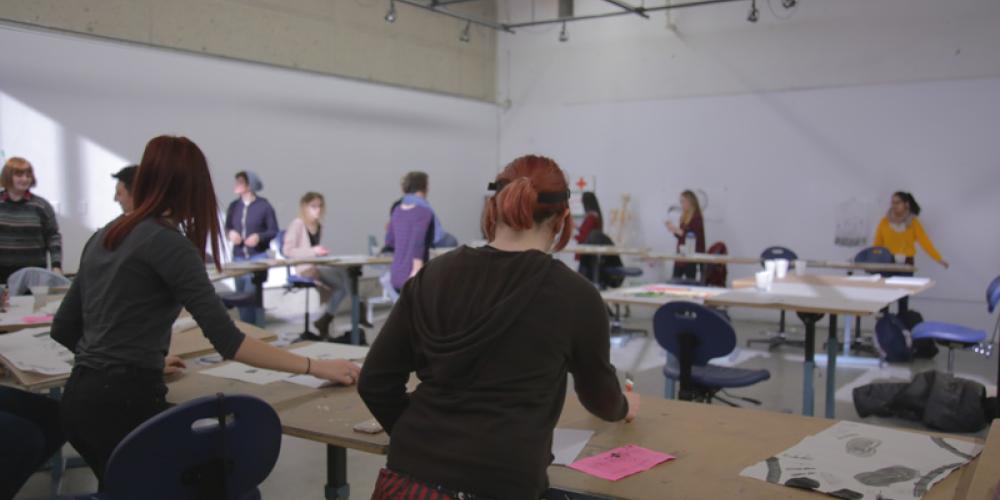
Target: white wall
(894, 99)
(80, 109)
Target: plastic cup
(762, 281)
(800, 268)
(900, 258)
(41, 295)
(781, 268)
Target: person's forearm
(263, 355)
(417, 264)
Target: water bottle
(690, 243)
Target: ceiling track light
(754, 13)
(464, 37)
(390, 16)
(563, 35)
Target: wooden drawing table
(17, 323)
(658, 294)
(812, 297)
(712, 443)
(985, 484)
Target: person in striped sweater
(29, 233)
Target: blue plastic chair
(874, 255)
(295, 282)
(955, 336)
(187, 453)
(778, 338)
(695, 334)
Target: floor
(300, 472)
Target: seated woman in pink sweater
(302, 241)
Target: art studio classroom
(499, 249)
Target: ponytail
(910, 201)
(529, 191)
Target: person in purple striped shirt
(407, 234)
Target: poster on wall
(577, 185)
(855, 223)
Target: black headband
(548, 198)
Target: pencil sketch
(863, 447)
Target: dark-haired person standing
(492, 333)
(123, 188)
(251, 224)
(900, 230)
(135, 276)
(29, 232)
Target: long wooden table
(353, 264)
(712, 443)
(985, 483)
(812, 297)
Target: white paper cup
(900, 258)
(41, 295)
(762, 281)
(800, 268)
(781, 268)
(770, 265)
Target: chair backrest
(280, 239)
(165, 456)
(993, 294)
(22, 280)
(874, 255)
(716, 274)
(598, 237)
(714, 336)
(777, 252)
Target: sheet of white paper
(568, 443)
(184, 324)
(246, 373)
(309, 381)
(866, 462)
(865, 278)
(33, 350)
(326, 350)
(17, 309)
(907, 281)
(51, 307)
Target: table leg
(831, 367)
(596, 273)
(848, 324)
(354, 273)
(336, 474)
(57, 462)
(809, 365)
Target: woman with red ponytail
(492, 333)
(135, 275)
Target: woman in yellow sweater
(900, 230)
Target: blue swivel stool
(780, 337)
(294, 283)
(955, 336)
(212, 447)
(694, 335)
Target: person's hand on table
(235, 238)
(173, 364)
(340, 371)
(253, 240)
(321, 251)
(633, 405)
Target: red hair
(516, 202)
(173, 179)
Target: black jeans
(685, 270)
(29, 435)
(100, 407)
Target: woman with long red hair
(135, 275)
(491, 333)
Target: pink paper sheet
(620, 462)
(34, 320)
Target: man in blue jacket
(251, 224)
